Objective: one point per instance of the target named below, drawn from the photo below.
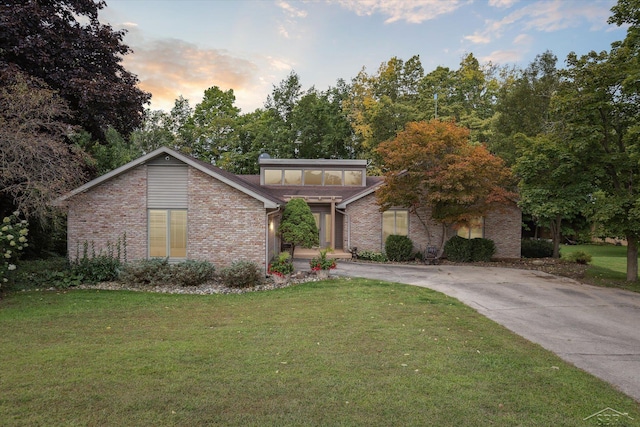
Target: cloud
(169, 68)
(502, 3)
(411, 11)
(542, 16)
(293, 12)
(503, 56)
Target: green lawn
(340, 352)
(608, 265)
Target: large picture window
(168, 233)
(394, 222)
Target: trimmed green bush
(482, 249)
(372, 256)
(398, 248)
(459, 249)
(536, 248)
(158, 271)
(192, 272)
(241, 274)
(579, 257)
(154, 271)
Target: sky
(183, 47)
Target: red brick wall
(106, 212)
(503, 226)
(224, 224)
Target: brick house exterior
(226, 217)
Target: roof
(211, 170)
(272, 196)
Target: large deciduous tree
(597, 103)
(63, 43)
(36, 164)
(554, 185)
(433, 167)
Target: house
(169, 204)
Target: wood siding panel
(167, 187)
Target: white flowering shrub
(13, 240)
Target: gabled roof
(213, 171)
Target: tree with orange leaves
(433, 167)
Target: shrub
(372, 256)
(398, 248)
(482, 249)
(322, 262)
(158, 271)
(191, 272)
(536, 248)
(41, 273)
(579, 257)
(101, 268)
(154, 271)
(241, 274)
(13, 240)
(281, 265)
(459, 249)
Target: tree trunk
(555, 230)
(632, 258)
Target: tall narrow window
(168, 233)
(394, 222)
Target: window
(332, 177)
(473, 230)
(312, 177)
(292, 177)
(394, 222)
(352, 177)
(168, 233)
(272, 177)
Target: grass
(334, 353)
(608, 265)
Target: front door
(323, 222)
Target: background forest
(69, 112)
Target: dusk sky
(183, 47)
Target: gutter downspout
(266, 240)
(346, 215)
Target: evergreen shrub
(536, 248)
(241, 274)
(398, 248)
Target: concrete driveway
(596, 329)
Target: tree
(298, 226)
(433, 166)
(63, 43)
(597, 106)
(524, 105)
(212, 124)
(36, 162)
(554, 185)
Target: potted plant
(281, 267)
(321, 264)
